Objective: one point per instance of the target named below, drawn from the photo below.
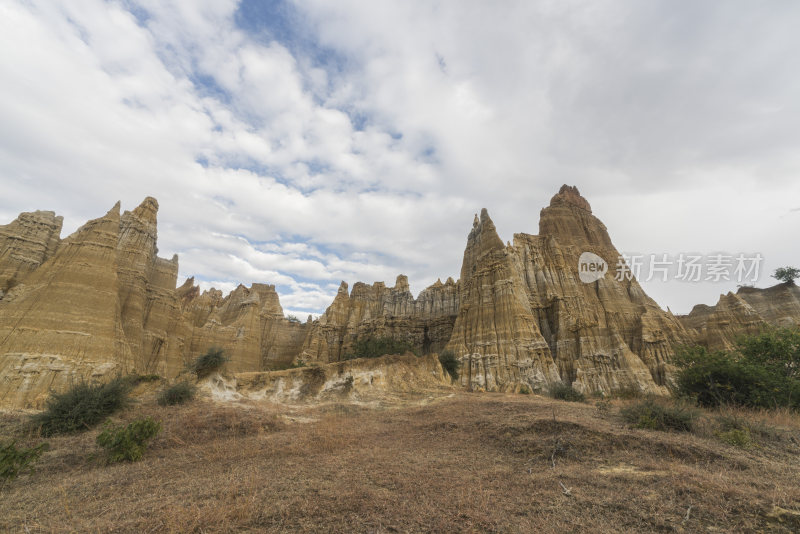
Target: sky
(306, 143)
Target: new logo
(591, 267)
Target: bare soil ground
(463, 463)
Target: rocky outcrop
(379, 311)
(102, 302)
(248, 324)
(747, 311)
(64, 319)
(527, 318)
(360, 380)
(778, 305)
(25, 244)
(496, 334)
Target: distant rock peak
(569, 194)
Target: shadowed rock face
(102, 302)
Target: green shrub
(741, 432)
(208, 363)
(524, 389)
(373, 347)
(177, 394)
(14, 461)
(653, 416)
(81, 407)
(776, 350)
(759, 374)
(449, 363)
(737, 437)
(566, 392)
(128, 443)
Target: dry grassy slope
(465, 462)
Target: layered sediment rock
(64, 319)
(25, 244)
(248, 324)
(747, 311)
(379, 311)
(367, 379)
(527, 318)
(102, 302)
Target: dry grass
(470, 463)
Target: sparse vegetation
(14, 461)
(141, 379)
(565, 392)
(81, 407)
(128, 442)
(652, 415)
(738, 437)
(450, 363)
(524, 389)
(211, 361)
(628, 392)
(786, 274)
(742, 432)
(481, 456)
(761, 372)
(293, 319)
(734, 431)
(374, 347)
(178, 393)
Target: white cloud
(362, 148)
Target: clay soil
(467, 462)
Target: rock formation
(248, 324)
(380, 311)
(368, 379)
(25, 244)
(64, 318)
(102, 302)
(747, 311)
(527, 318)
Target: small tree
(14, 461)
(128, 443)
(787, 274)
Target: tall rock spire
(483, 238)
(569, 219)
(65, 321)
